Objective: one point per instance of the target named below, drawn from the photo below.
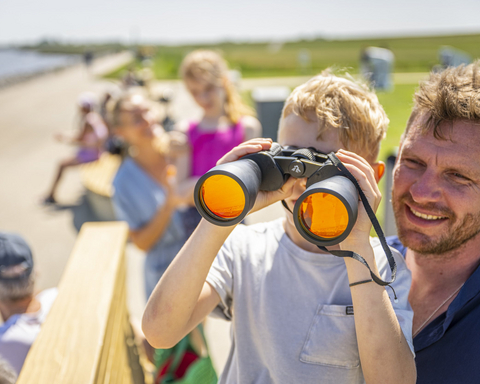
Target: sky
(196, 21)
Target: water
(19, 63)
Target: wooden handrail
(87, 337)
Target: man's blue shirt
(448, 349)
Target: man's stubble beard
(456, 236)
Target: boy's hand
(246, 148)
(264, 198)
(364, 174)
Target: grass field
(412, 54)
(397, 105)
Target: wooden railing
(97, 177)
(87, 337)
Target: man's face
(436, 188)
(295, 131)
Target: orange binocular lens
(324, 215)
(223, 196)
(327, 211)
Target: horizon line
(381, 35)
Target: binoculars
(324, 214)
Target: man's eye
(459, 176)
(412, 163)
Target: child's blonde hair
(344, 104)
(210, 67)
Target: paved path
(30, 113)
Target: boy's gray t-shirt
(289, 309)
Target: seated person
(145, 191)
(22, 311)
(299, 314)
(90, 141)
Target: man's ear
(379, 169)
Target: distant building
(452, 57)
(376, 65)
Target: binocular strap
(359, 258)
(376, 226)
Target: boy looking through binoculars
(299, 315)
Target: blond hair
(210, 67)
(453, 94)
(343, 104)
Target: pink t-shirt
(209, 147)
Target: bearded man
(436, 200)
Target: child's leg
(50, 198)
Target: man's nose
(426, 188)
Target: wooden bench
(97, 177)
(87, 337)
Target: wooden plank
(112, 334)
(70, 344)
(114, 347)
